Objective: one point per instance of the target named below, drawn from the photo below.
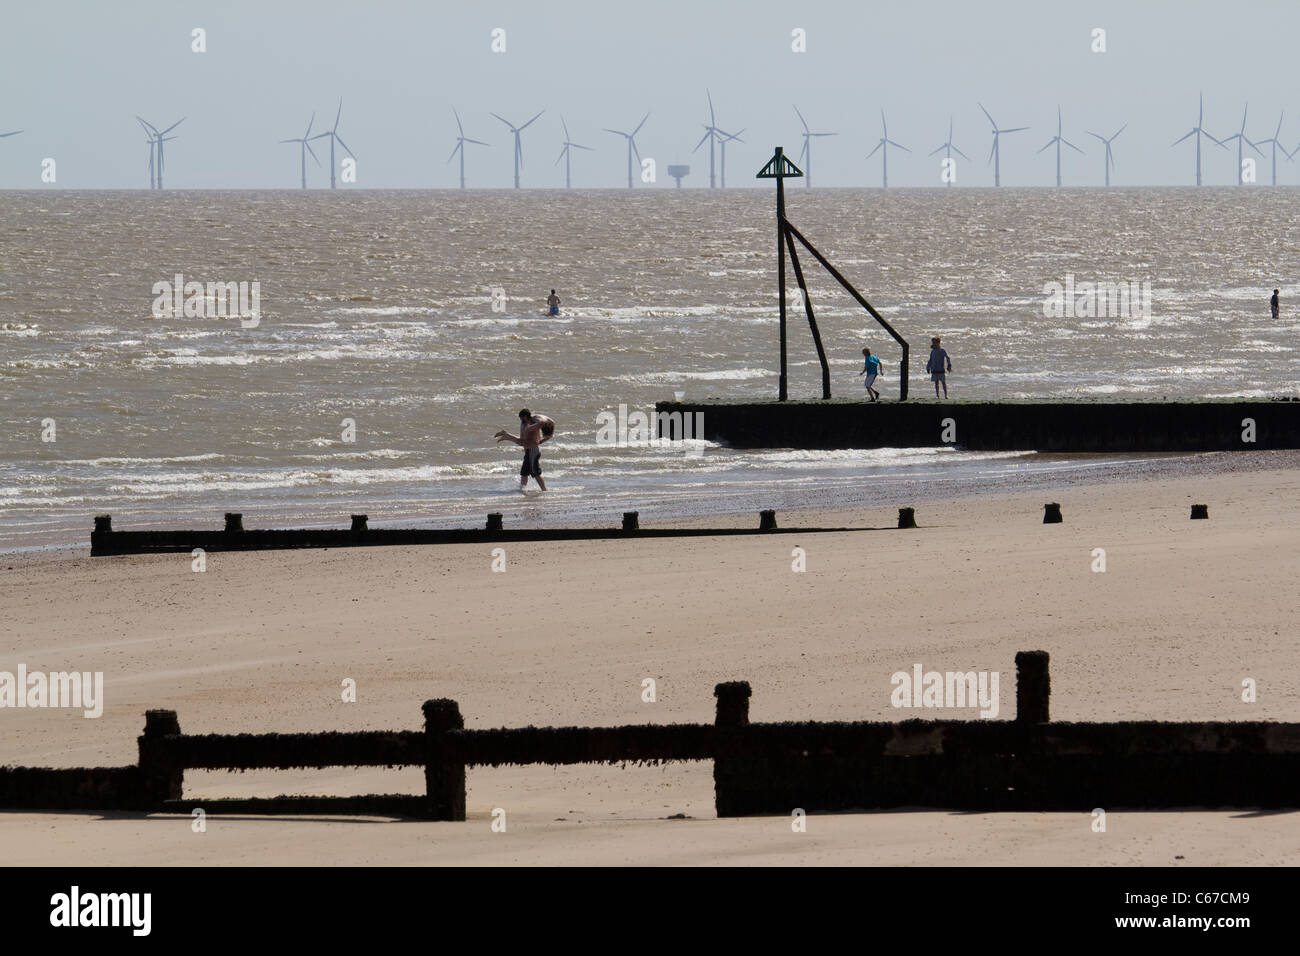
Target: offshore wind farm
(497, 430)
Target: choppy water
(377, 307)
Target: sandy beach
(260, 642)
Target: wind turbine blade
(566, 128)
(713, 120)
(344, 145)
(531, 121)
(460, 144)
(590, 149)
(338, 114)
(960, 153)
(1120, 130)
(312, 151)
(700, 143)
(283, 141)
(933, 151)
(1014, 129)
(992, 151)
(561, 156)
(1091, 133)
(631, 141)
(640, 124)
(1253, 146)
(479, 142)
(823, 134)
(504, 120)
(148, 128)
(804, 152)
(986, 113)
(173, 126)
(876, 150)
(460, 128)
(1183, 137)
(1048, 143)
(899, 145)
(1073, 147)
(310, 122)
(802, 120)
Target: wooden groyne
(1054, 426)
(104, 540)
(1028, 763)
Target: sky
(75, 73)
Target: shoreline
(1077, 470)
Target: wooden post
(1033, 687)
(103, 524)
(444, 779)
(907, 517)
(234, 522)
(1051, 513)
(1200, 511)
(160, 779)
(767, 520)
(630, 522)
(359, 522)
(732, 794)
(494, 521)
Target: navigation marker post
(778, 168)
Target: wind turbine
(631, 145)
(158, 138)
(1109, 160)
(995, 154)
(565, 154)
(519, 150)
(724, 139)
(306, 148)
(950, 148)
(1276, 145)
(883, 147)
(333, 135)
(461, 140)
(149, 133)
(806, 152)
(1058, 139)
(1199, 132)
(1240, 137)
(713, 135)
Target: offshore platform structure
(779, 167)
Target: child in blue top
(871, 368)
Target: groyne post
(444, 777)
(160, 778)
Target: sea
(396, 332)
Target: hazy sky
(74, 74)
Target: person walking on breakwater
(938, 361)
(552, 304)
(1273, 305)
(870, 368)
(533, 431)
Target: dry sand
(262, 641)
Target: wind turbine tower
(1109, 159)
(519, 149)
(565, 154)
(995, 154)
(949, 148)
(806, 153)
(1240, 137)
(1198, 131)
(1058, 139)
(461, 140)
(305, 149)
(631, 145)
(883, 148)
(333, 135)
